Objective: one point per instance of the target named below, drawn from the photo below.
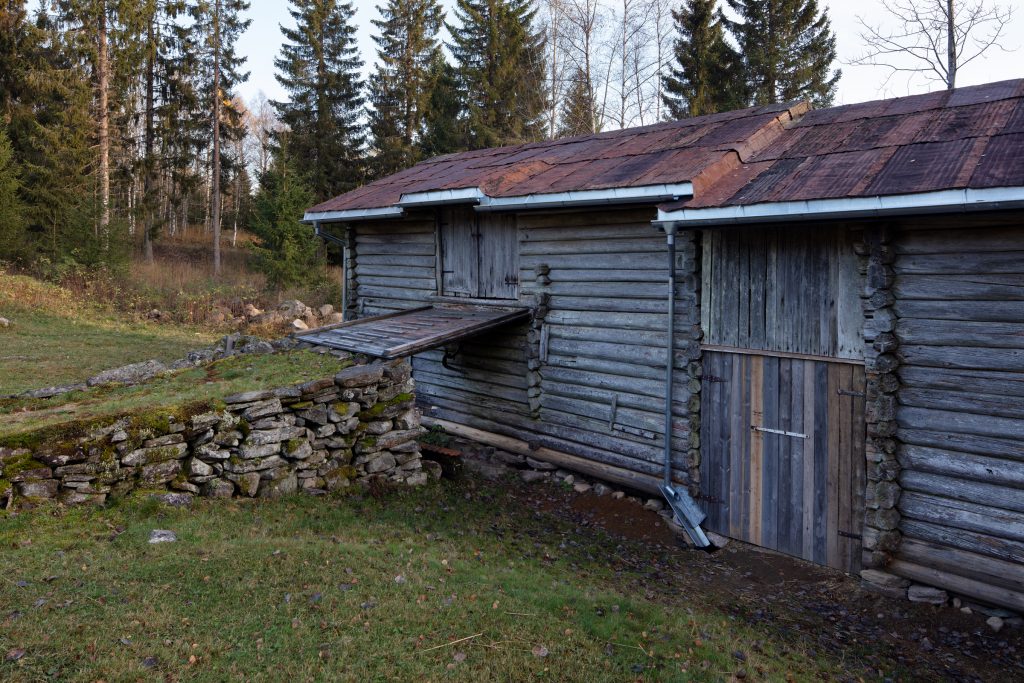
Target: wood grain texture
(800, 493)
(788, 290)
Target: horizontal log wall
(959, 305)
(586, 378)
(602, 277)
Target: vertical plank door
(459, 264)
(783, 454)
(499, 256)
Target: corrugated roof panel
(921, 167)
(825, 177)
(988, 92)
(760, 188)
(1002, 164)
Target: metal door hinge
(847, 534)
(847, 392)
(712, 378)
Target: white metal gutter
(351, 214)
(437, 197)
(474, 195)
(614, 195)
(941, 201)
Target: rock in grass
(4, 322)
(162, 536)
(176, 500)
(128, 374)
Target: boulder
(251, 311)
(4, 322)
(162, 536)
(325, 310)
(220, 488)
(128, 374)
(159, 473)
(38, 488)
(293, 308)
(334, 318)
(50, 392)
(281, 485)
(298, 325)
(359, 376)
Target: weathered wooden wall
(586, 378)
(959, 303)
(793, 289)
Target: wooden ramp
(404, 333)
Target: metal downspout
(670, 234)
(685, 508)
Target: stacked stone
(881, 525)
(360, 425)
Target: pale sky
(262, 41)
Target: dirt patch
(825, 610)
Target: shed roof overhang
(404, 333)
(943, 201)
(642, 194)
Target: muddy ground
(819, 609)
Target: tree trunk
(147, 198)
(103, 85)
(215, 181)
(950, 46)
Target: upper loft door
(479, 254)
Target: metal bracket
(780, 432)
(687, 514)
(450, 352)
(614, 408)
(712, 378)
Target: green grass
(305, 589)
(57, 339)
(195, 386)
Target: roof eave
(942, 201)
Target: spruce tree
(577, 115)
(319, 68)
(706, 76)
(400, 89)
(500, 60)
(444, 122)
(286, 253)
(12, 219)
(788, 49)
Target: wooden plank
(963, 563)
(980, 404)
(756, 471)
(460, 267)
(780, 354)
(962, 585)
(962, 465)
(769, 478)
(783, 494)
(990, 494)
(859, 478)
(923, 332)
(963, 357)
(960, 422)
(844, 481)
(833, 492)
(822, 518)
(498, 256)
(969, 516)
(983, 544)
(795, 500)
(957, 242)
(978, 311)
(809, 458)
(964, 443)
(961, 263)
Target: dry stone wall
(358, 426)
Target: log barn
(812, 320)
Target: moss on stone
(293, 445)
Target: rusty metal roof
(664, 153)
(968, 138)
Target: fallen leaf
(540, 651)
(15, 654)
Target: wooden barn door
(783, 454)
(782, 396)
